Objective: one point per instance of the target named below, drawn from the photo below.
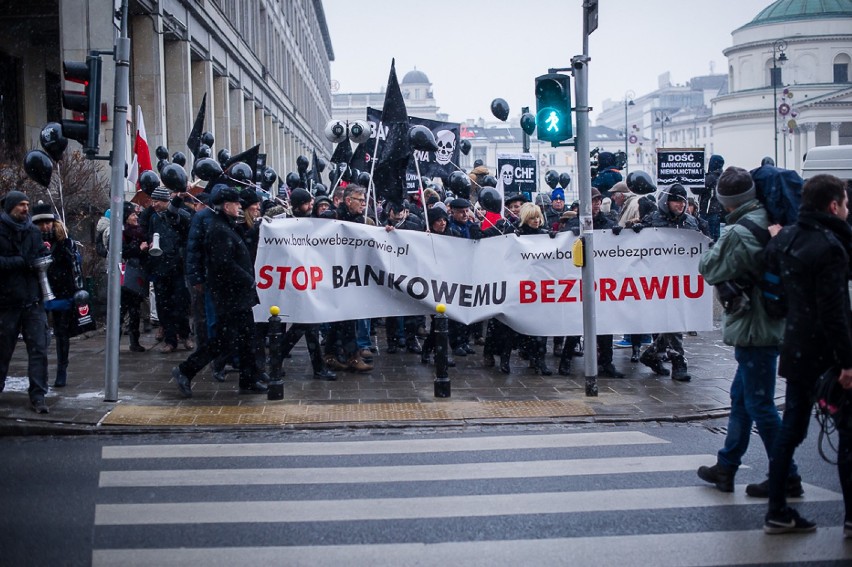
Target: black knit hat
(299, 197)
(13, 199)
(677, 192)
(248, 197)
(42, 212)
(735, 188)
(435, 214)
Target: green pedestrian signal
(553, 108)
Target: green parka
(738, 256)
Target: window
(841, 68)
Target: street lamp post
(778, 57)
(662, 118)
(628, 101)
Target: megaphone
(155, 249)
(41, 264)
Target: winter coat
(630, 211)
(551, 217)
(663, 218)
(64, 272)
(707, 202)
(600, 221)
(173, 227)
(229, 270)
(738, 255)
(469, 229)
(20, 246)
(195, 245)
(814, 258)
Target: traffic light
(87, 103)
(553, 108)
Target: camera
(733, 297)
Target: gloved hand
(637, 228)
(551, 233)
(616, 230)
(576, 231)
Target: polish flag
(143, 153)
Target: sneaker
(183, 382)
(459, 351)
(325, 374)
(761, 490)
(622, 344)
(787, 521)
(39, 406)
(219, 375)
(718, 475)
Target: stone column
(835, 133)
(221, 126)
(259, 132)
(808, 136)
(237, 119)
(149, 85)
(179, 115)
(250, 123)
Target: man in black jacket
(813, 259)
(21, 309)
(229, 279)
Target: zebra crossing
(585, 498)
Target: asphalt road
(543, 495)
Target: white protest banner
(319, 270)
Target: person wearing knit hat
(21, 308)
(555, 209)
(43, 212)
(301, 201)
(739, 255)
(160, 194)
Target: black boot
(504, 362)
(317, 361)
(557, 345)
(652, 361)
(565, 365)
(134, 343)
(63, 348)
(679, 371)
(721, 476)
(542, 367)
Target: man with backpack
(735, 265)
(813, 259)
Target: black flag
(249, 156)
(314, 174)
(361, 156)
(194, 140)
(342, 154)
(392, 161)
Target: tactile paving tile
(275, 413)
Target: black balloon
(148, 181)
(321, 163)
(421, 138)
(179, 158)
(528, 123)
(53, 141)
(241, 172)
(320, 189)
(293, 180)
(564, 180)
(222, 156)
(204, 151)
(551, 178)
(489, 198)
(174, 177)
(162, 152)
(500, 109)
(363, 179)
(38, 166)
(268, 178)
(489, 181)
(456, 181)
(161, 164)
(354, 174)
(302, 164)
(640, 183)
(207, 139)
(207, 169)
(464, 146)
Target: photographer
(736, 264)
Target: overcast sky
(476, 50)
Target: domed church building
(789, 84)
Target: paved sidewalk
(399, 392)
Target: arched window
(841, 68)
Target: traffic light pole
(590, 339)
(116, 200)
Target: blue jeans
(798, 402)
(752, 401)
(362, 334)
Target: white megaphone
(155, 249)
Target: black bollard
(442, 349)
(274, 334)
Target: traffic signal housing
(553, 108)
(87, 103)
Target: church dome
(418, 77)
(789, 10)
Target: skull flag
(393, 156)
(439, 163)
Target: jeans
(362, 334)
(752, 401)
(794, 428)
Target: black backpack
(771, 290)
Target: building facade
(264, 65)
(789, 84)
(416, 90)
